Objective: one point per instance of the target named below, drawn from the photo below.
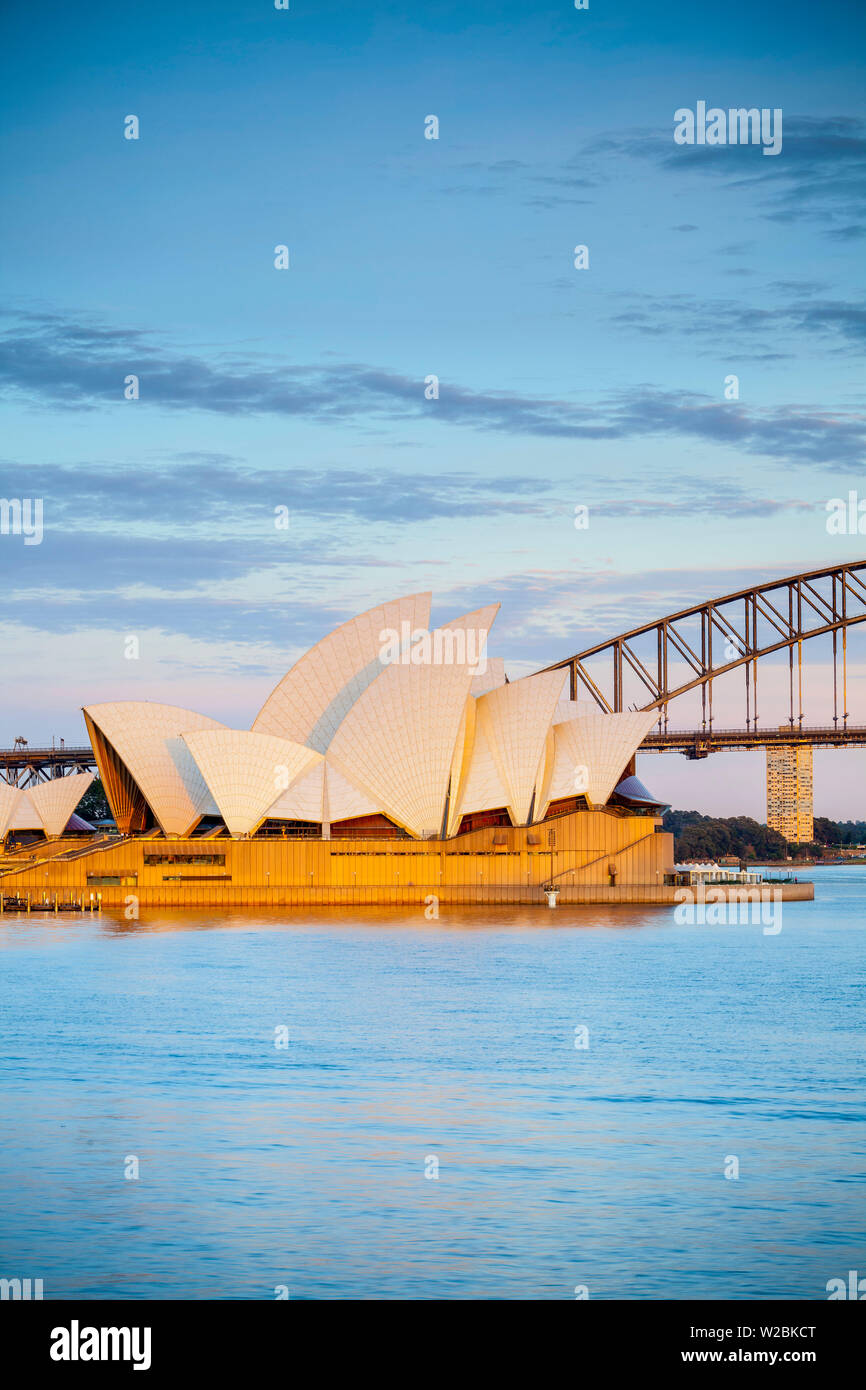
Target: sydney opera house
(393, 762)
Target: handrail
(608, 854)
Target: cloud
(818, 176)
(757, 325)
(224, 496)
(517, 179)
(79, 367)
(191, 542)
(223, 512)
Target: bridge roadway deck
(699, 743)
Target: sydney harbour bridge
(753, 645)
(692, 651)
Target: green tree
(709, 837)
(94, 805)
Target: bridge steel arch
(791, 610)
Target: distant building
(691, 872)
(789, 792)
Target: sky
(303, 388)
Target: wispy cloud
(226, 496)
(769, 332)
(77, 366)
(820, 175)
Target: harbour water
(429, 1124)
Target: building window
(196, 878)
(184, 859)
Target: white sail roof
(17, 811)
(322, 794)
(54, 801)
(303, 800)
(383, 717)
(148, 739)
(515, 720)
(397, 742)
(592, 752)
(314, 697)
(9, 796)
(491, 678)
(345, 801)
(483, 788)
(246, 771)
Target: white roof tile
(147, 738)
(315, 696)
(592, 752)
(398, 741)
(515, 720)
(246, 771)
(54, 801)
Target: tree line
(715, 837)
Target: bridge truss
(725, 634)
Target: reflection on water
(412, 1044)
(520, 918)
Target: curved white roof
(574, 709)
(55, 801)
(494, 676)
(515, 720)
(482, 787)
(602, 745)
(460, 762)
(25, 815)
(314, 697)
(17, 811)
(8, 799)
(323, 794)
(345, 801)
(398, 740)
(147, 737)
(246, 771)
(304, 799)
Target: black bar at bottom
(226, 1338)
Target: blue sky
(410, 257)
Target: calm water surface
(411, 1040)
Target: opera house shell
(385, 729)
(48, 807)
